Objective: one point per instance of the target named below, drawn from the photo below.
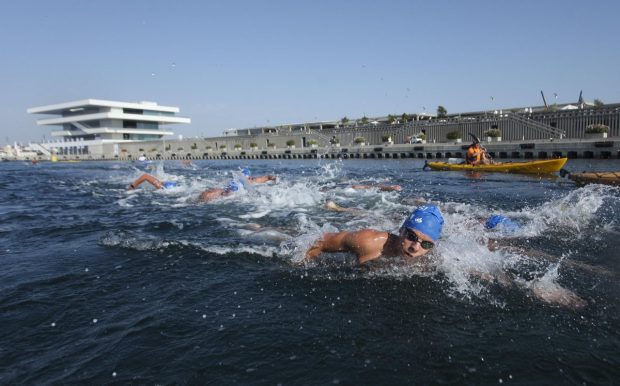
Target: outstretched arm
(148, 178)
(366, 244)
(330, 205)
(329, 242)
(383, 188)
(261, 179)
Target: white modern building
(93, 127)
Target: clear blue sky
(250, 63)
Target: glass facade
(159, 113)
(140, 125)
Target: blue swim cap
(170, 184)
(246, 172)
(232, 187)
(426, 219)
(499, 220)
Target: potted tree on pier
(290, 143)
(387, 139)
(312, 143)
(455, 136)
(596, 130)
(253, 146)
(493, 135)
(361, 141)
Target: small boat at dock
(527, 167)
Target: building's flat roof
(60, 107)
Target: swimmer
(417, 236)
(233, 186)
(215, 193)
(153, 181)
(257, 179)
(189, 164)
(380, 187)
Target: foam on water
(463, 259)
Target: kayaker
(477, 155)
(417, 236)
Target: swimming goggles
(411, 236)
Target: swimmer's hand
(315, 250)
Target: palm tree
(441, 112)
(392, 118)
(364, 120)
(344, 121)
(405, 117)
(598, 103)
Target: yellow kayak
(534, 167)
(606, 178)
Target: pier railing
(538, 126)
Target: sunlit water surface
(102, 285)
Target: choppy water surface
(103, 285)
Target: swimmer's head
(497, 221)
(246, 172)
(426, 219)
(232, 186)
(170, 184)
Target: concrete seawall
(606, 148)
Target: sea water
(102, 285)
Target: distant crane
(543, 97)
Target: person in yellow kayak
(477, 155)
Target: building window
(160, 113)
(132, 111)
(130, 124)
(148, 125)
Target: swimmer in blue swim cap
(153, 181)
(499, 222)
(233, 186)
(417, 237)
(258, 179)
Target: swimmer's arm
(390, 188)
(261, 179)
(329, 242)
(366, 244)
(383, 188)
(148, 178)
(332, 206)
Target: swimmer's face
(411, 243)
